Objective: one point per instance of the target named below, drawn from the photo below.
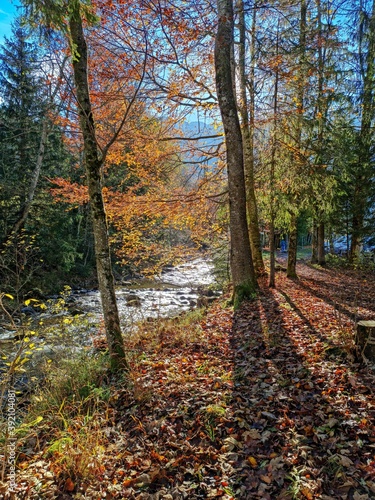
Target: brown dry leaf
(69, 485)
(252, 434)
(345, 461)
(357, 496)
(266, 479)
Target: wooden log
(365, 340)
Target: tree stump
(365, 340)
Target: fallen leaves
(253, 462)
(265, 404)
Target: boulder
(28, 311)
(132, 300)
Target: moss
(242, 292)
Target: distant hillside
(200, 151)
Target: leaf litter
(266, 403)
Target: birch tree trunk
(35, 175)
(93, 164)
(242, 270)
(25, 209)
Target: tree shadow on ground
(330, 349)
(339, 293)
(300, 437)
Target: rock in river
(132, 300)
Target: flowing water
(174, 291)
(50, 333)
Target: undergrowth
(75, 400)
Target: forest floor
(266, 403)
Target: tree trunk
(292, 249)
(93, 166)
(321, 251)
(331, 245)
(272, 281)
(247, 127)
(35, 176)
(321, 115)
(314, 244)
(363, 181)
(365, 340)
(242, 271)
(357, 225)
(301, 81)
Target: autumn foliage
(156, 206)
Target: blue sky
(8, 10)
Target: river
(174, 291)
(54, 331)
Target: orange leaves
(69, 485)
(308, 494)
(69, 192)
(157, 457)
(155, 205)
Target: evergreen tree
(40, 241)
(21, 123)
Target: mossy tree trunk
(321, 250)
(242, 270)
(247, 128)
(292, 248)
(93, 165)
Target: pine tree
(22, 137)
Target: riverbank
(71, 321)
(265, 403)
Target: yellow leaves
(274, 63)
(36, 303)
(28, 301)
(33, 423)
(253, 462)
